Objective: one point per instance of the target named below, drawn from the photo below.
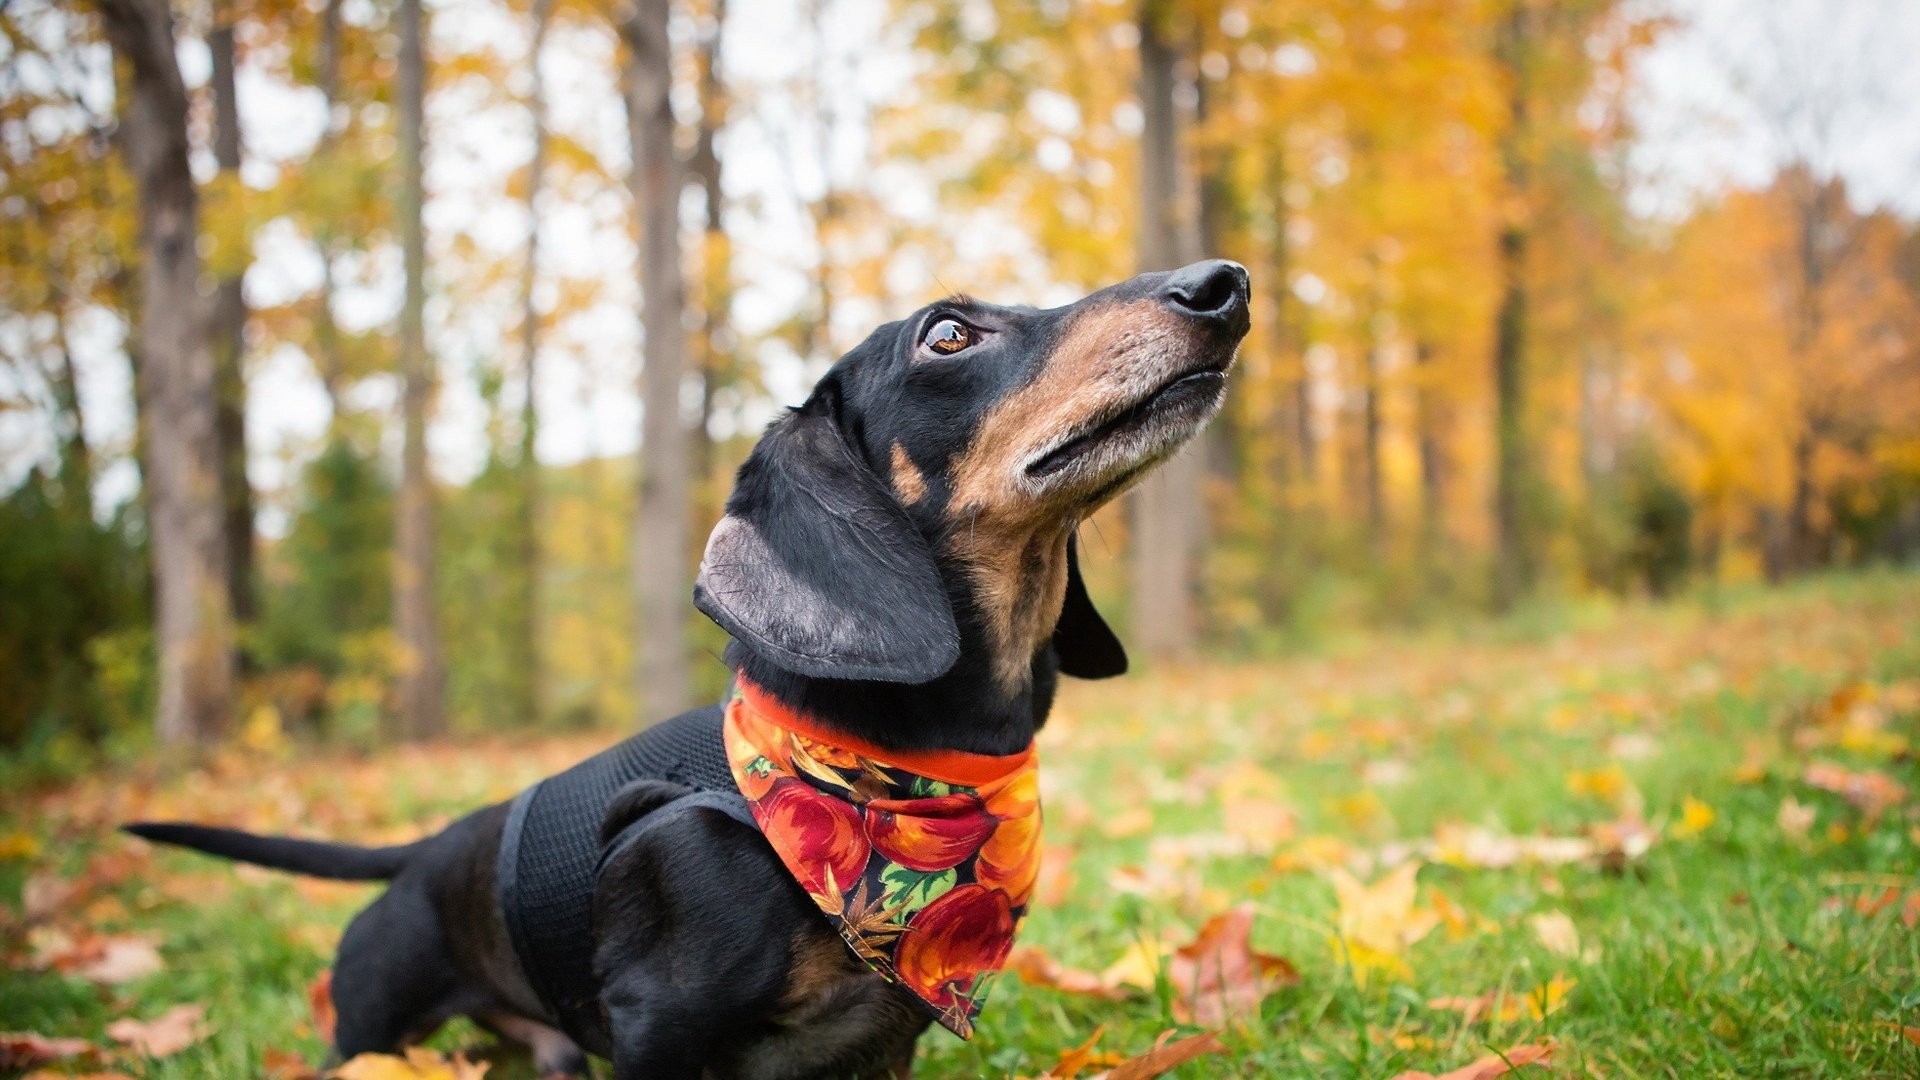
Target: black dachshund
(896, 564)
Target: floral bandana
(923, 861)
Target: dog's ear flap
(1086, 646)
(816, 568)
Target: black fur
(712, 960)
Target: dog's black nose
(1215, 289)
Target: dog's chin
(1100, 463)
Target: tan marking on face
(820, 963)
(908, 483)
(1015, 543)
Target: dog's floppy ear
(816, 567)
(1086, 646)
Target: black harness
(551, 856)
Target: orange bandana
(922, 860)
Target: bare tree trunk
(716, 338)
(228, 335)
(1433, 474)
(76, 458)
(1168, 505)
(529, 617)
(1513, 570)
(661, 583)
(326, 331)
(421, 677)
(1370, 473)
(192, 619)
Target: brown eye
(948, 336)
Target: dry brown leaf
(1081, 1058)
(1870, 791)
(286, 1065)
(1505, 1008)
(122, 960)
(173, 1031)
(1218, 977)
(1555, 931)
(1036, 968)
(320, 1003)
(1165, 1057)
(107, 959)
(418, 1064)
(29, 1049)
(1513, 1060)
(45, 893)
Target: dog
(897, 569)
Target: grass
(1731, 947)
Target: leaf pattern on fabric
(927, 879)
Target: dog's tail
(314, 858)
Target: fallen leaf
(110, 960)
(1164, 1057)
(286, 1065)
(1219, 978)
(122, 960)
(1795, 818)
(27, 1049)
(18, 845)
(1079, 1059)
(1870, 791)
(1513, 1060)
(1134, 821)
(1376, 923)
(1695, 818)
(1910, 1033)
(44, 894)
(1505, 1008)
(320, 1004)
(1139, 966)
(173, 1031)
(418, 1064)
(1036, 968)
(1556, 931)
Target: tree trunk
(527, 622)
(1168, 506)
(76, 458)
(661, 583)
(326, 332)
(716, 294)
(228, 334)
(1513, 569)
(192, 619)
(1370, 472)
(421, 678)
(1433, 466)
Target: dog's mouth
(1161, 420)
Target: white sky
(1699, 128)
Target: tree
(193, 619)
(661, 582)
(229, 324)
(1168, 506)
(421, 686)
(527, 615)
(1513, 568)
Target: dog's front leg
(651, 1042)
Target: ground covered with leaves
(1673, 841)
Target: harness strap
(729, 803)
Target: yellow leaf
(1695, 818)
(418, 1064)
(18, 845)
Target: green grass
(1734, 951)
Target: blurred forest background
(371, 369)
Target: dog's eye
(948, 336)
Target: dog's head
(928, 489)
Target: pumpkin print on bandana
(923, 862)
